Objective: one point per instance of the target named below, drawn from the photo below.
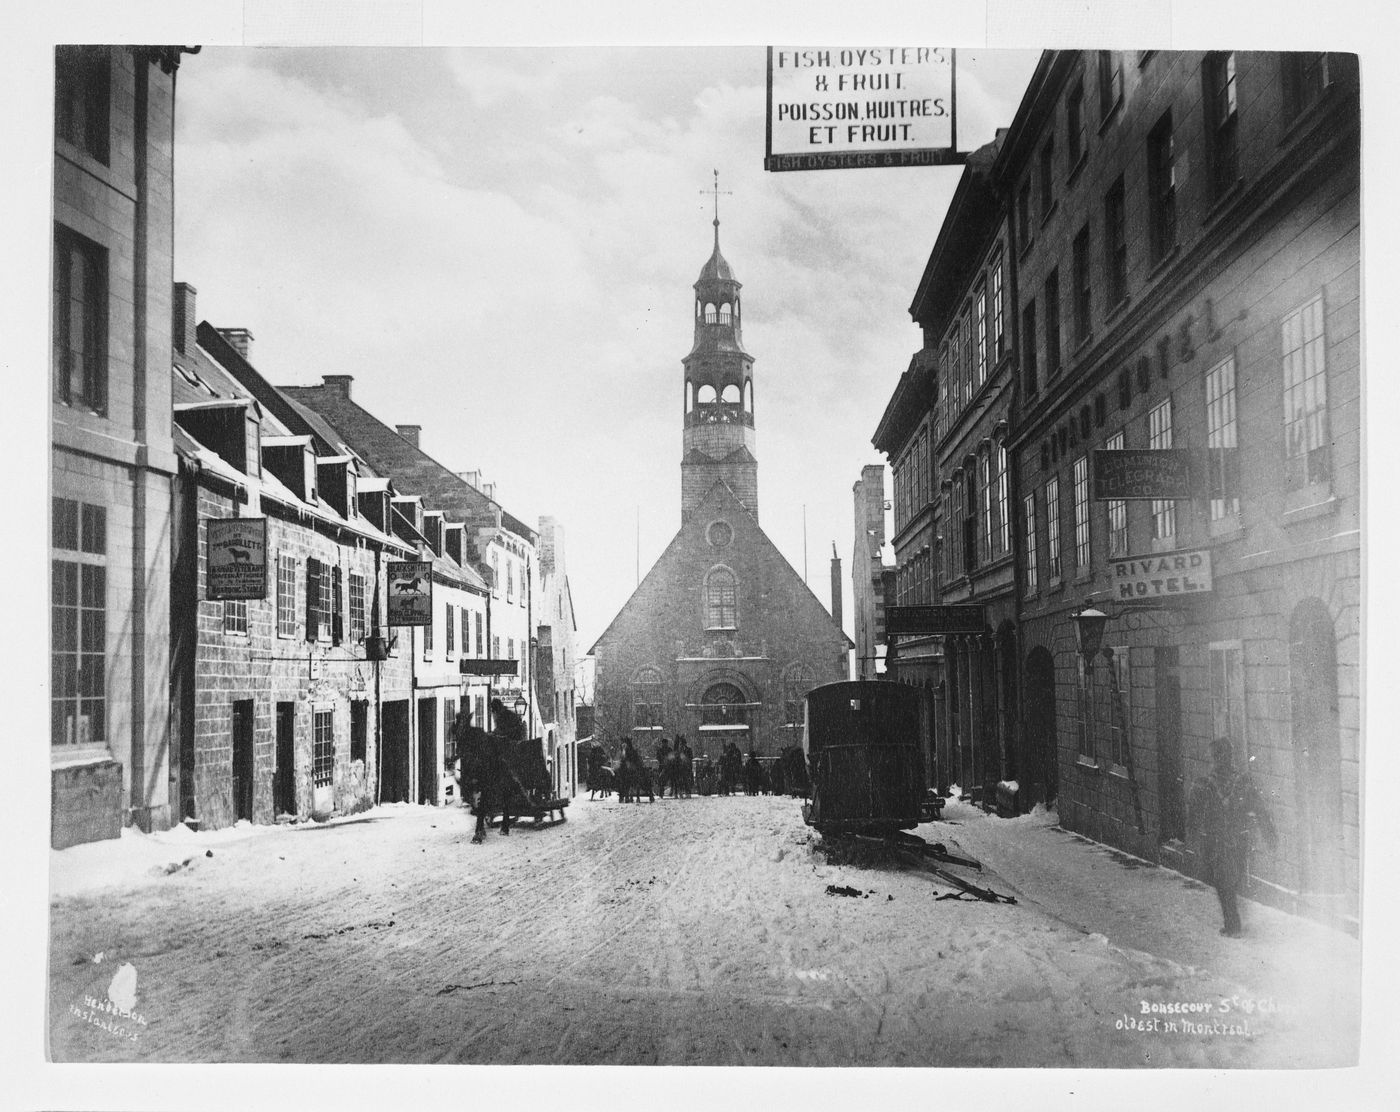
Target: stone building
(556, 657)
(722, 638)
(868, 571)
(1186, 233)
(280, 707)
(112, 457)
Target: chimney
(835, 586)
(409, 433)
(184, 320)
(240, 338)
(471, 478)
(338, 384)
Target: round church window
(720, 533)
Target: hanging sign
(236, 558)
(487, 666)
(410, 594)
(1162, 575)
(842, 108)
(1139, 473)
(934, 619)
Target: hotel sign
(236, 558)
(934, 620)
(1163, 575)
(1141, 473)
(410, 594)
(841, 108)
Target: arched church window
(731, 394)
(710, 313)
(724, 315)
(723, 705)
(721, 599)
(748, 396)
(646, 698)
(707, 395)
(689, 395)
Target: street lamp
(521, 706)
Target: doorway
(394, 752)
(1171, 781)
(1042, 752)
(243, 760)
(284, 785)
(428, 777)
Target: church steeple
(719, 409)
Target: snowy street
(694, 931)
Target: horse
(634, 778)
(485, 775)
(601, 781)
(794, 766)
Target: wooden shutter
(337, 607)
(313, 599)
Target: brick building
(278, 703)
(1187, 238)
(722, 638)
(112, 458)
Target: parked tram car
(865, 761)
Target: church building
(722, 638)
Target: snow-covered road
(683, 932)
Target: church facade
(722, 638)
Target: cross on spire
(716, 191)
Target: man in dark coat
(482, 773)
(1226, 808)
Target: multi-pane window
(82, 98)
(721, 599)
(428, 633)
(480, 635)
(78, 694)
(495, 575)
(1087, 716)
(450, 628)
(510, 580)
(984, 492)
(286, 595)
(1030, 375)
(358, 609)
(1047, 177)
(1222, 444)
(79, 321)
(510, 648)
(1032, 555)
(646, 698)
(1117, 510)
(495, 646)
(235, 615)
(1052, 323)
(1003, 534)
(323, 748)
(1120, 705)
(981, 318)
(1115, 243)
(1161, 189)
(969, 521)
(1110, 81)
(998, 312)
(1052, 526)
(1305, 394)
(1074, 118)
(1159, 435)
(1081, 514)
(1222, 119)
(1226, 682)
(1082, 286)
(966, 370)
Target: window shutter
(313, 598)
(337, 607)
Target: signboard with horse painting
(410, 594)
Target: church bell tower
(718, 441)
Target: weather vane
(716, 191)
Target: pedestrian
(663, 766)
(685, 759)
(1226, 808)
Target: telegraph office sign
(840, 108)
(1164, 575)
(236, 558)
(410, 595)
(934, 620)
(1140, 473)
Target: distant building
(722, 639)
(113, 459)
(867, 571)
(556, 659)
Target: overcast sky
(499, 244)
